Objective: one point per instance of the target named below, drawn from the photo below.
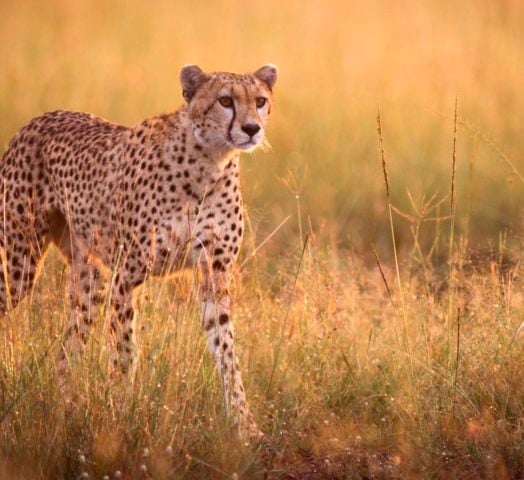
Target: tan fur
(139, 201)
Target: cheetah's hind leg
(20, 252)
(85, 291)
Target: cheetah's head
(228, 109)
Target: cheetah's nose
(251, 129)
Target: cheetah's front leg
(218, 330)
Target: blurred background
(340, 61)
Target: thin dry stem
(382, 154)
(382, 274)
(454, 159)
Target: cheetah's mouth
(247, 145)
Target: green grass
(365, 366)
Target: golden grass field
(378, 334)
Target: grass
(328, 373)
(377, 330)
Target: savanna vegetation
(379, 294)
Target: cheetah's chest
(179, 240)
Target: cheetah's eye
(226, 102)
(261, 101)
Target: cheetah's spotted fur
(140, 201)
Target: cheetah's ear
(268, 74)
(191, 78)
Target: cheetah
(139, 202)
